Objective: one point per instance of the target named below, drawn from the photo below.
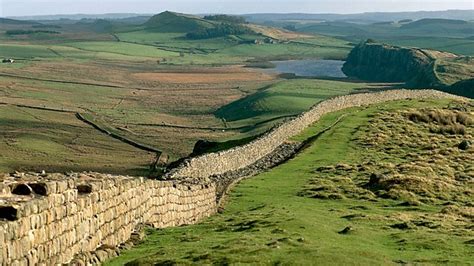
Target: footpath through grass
(266, 222)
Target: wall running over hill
(234, 159)
(62, 216)
(53, 218)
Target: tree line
(219, 30)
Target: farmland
(157, 89)
(140, 97)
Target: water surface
(310, 68)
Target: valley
(176, 139)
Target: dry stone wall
(53, 219)
(234, 159)
(49, 219)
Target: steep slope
(415, 67)
(175, 22)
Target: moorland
(130, 95)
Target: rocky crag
(417, 68)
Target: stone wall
(237, 158)
(51, 218)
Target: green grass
(443, 37)
(454, 45)
(286, 51)
(36, 140)
(175, 22)
(123, 49)
(25, 51)
(289, 97)
(265, 222)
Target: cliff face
(384, 63)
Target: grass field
(461, 46)
(268, 221)
(288, 97)
(154, 87)
(438, 35)
(36, 140)
(138, 108)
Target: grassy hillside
(285, 98)
(174, 22)
(317, 208)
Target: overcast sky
(49, 7)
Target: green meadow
(267, 221)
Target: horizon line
(237, 14)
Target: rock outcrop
(417, 68)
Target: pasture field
(156, 88)
(274, 219)
(443, 35)
(37, 140)
(286, 98)
(461, 46)
(169, 109)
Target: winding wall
(49, 219)
(234, 159)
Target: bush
(226, 18)
(219, 31)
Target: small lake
(310, 68)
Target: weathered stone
(53, 228)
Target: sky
(50, 7)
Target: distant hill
(368, 17)
(439, 26)
(109, 16)
(196, 27)
(17, 22)
(98, 25)
(176, 22)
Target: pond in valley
(310, 68)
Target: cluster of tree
(226, 18)
(43, 26)
(220, 30)
(25, 32)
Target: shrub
(219, 31)
(226, 18)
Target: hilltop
(197, 27)
(176, 22)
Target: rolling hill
(175, 22)
(17, 22)
(447, 27)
